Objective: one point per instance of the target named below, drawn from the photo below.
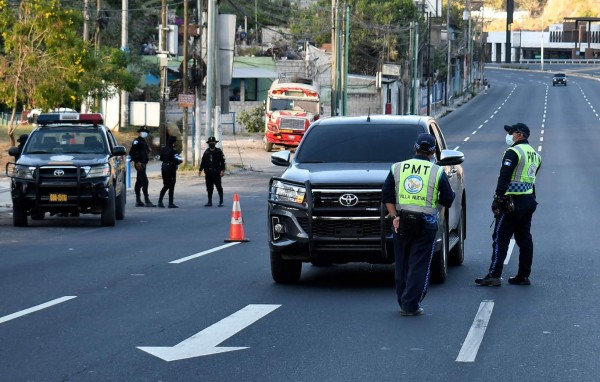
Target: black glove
(502, 203)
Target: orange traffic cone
(236, 228)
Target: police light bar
(50, 118)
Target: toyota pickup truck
(326, 207)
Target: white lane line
(469, 349)
(191, 257)
(511, 246)
(474, 132)
(541, 139)
(35, 308)
(456, 148)
(466, 139)
(539, 148)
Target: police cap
(518, 127)
(425, 143)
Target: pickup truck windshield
(65, 141)
(356, 143)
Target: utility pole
(184, 120)
(198, 83)
(415, 63)
(124, 47)
(346, 49)
(448, 62)
(86, 39)
(163, 72)
(510, 6)
(334, 63)
(211, 67)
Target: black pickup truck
(70, 164)
(326, 207)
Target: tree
(45, 63)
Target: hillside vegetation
(553, 12)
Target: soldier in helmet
(213, 165)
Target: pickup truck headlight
(97, 171)
(284, 192)
(23, 172)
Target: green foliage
(252, 119)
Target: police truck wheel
(108, 216)
(457, 254)
(439, 263)
(19, 216)
(285, 271)
(121, 201)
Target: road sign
(186, 100)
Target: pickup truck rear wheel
(439, 263)
(19, 216)
(108, 216)
(285, 271)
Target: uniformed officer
(411, 192)
(213, 164)
(513, 207)
(139, 154)
(170, 161)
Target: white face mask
(143, 134)
(509, 140)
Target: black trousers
(518, 223)
(413, 260)
(169, 177)
(141, 181)
(213, 179)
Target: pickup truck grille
(345, 228)
(333, 199)
(67, 173)
(292, 123)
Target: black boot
(209, 204)
(148, 203)
(138, 201)
(160, 199)
(221, 200)
(171, 204)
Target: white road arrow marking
(205, 342)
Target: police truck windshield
(65, 141)
(358, 143)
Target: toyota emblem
(59, 172)
(348, 200)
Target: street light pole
(448, 63)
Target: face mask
(509, 140)
(144, 134)
(211, 145)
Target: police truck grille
(332, 199)
(67, 173)
(292, 123)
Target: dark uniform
(411, 192)
(139, 153)
(170, 161)
(213, 165)
(513, 206)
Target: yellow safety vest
(417, 183)
(523, 176)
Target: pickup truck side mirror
(281, 158)
(119, 150)
(451, 158)
(14, 151)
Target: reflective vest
(523, 176)
(417, 183)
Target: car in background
(326, 207)
(71, 164)
(559, 79)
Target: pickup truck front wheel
(19, 216)
(108, 216)
(285, 271)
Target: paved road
(162, 278)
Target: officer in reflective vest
(513, 207)
(411, 193)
